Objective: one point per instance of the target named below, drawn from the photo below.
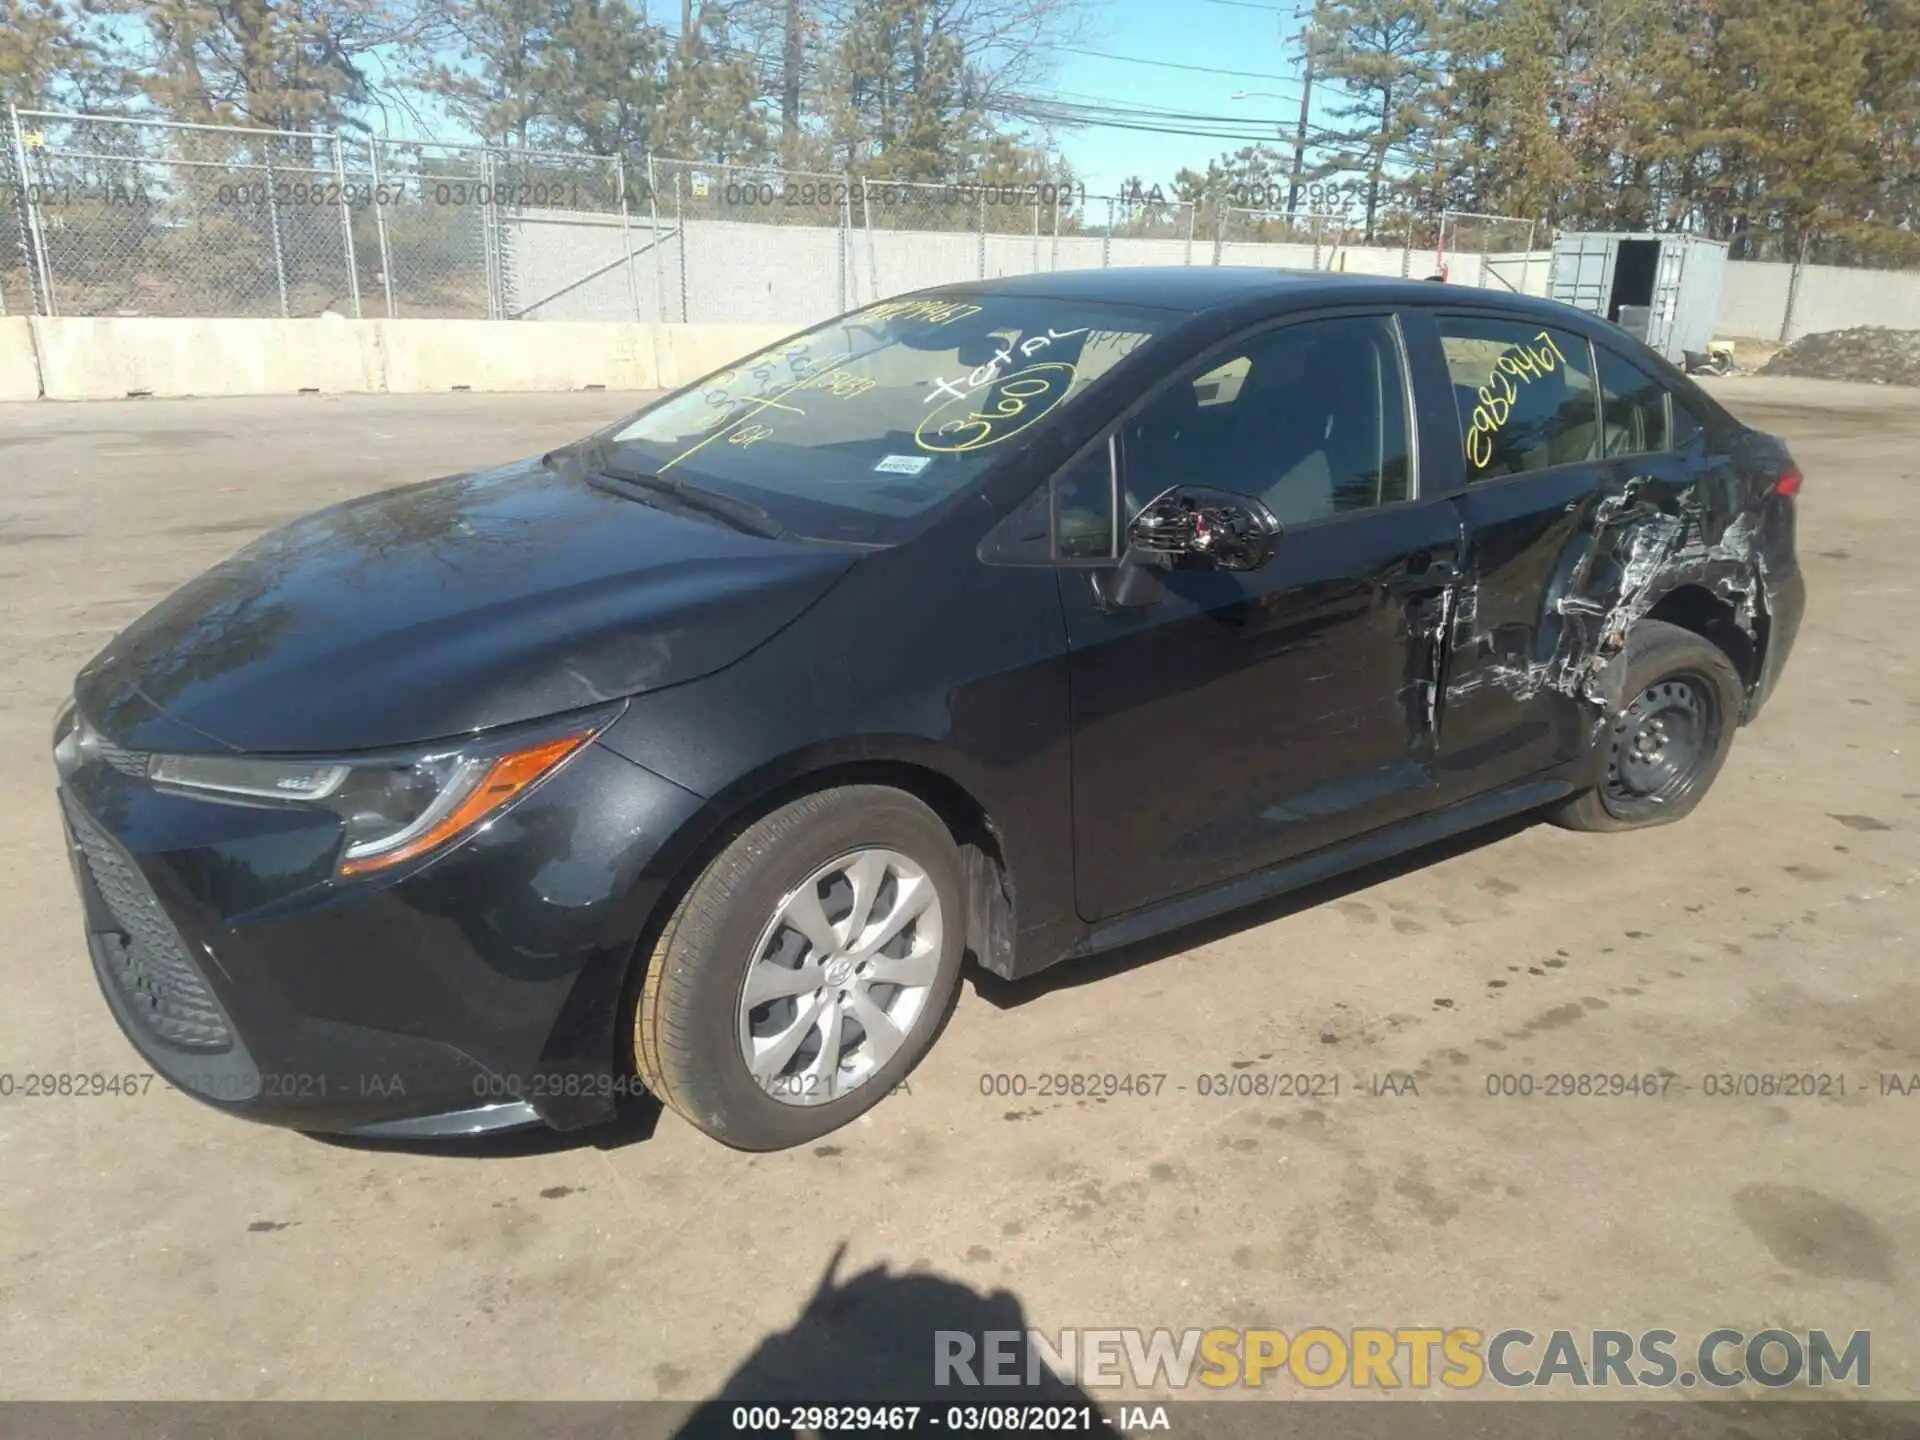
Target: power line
(1175, 65)
(1083, 95)
(1103, 112)
(1154, 120)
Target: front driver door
(1240, 719)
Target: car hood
(453, 605)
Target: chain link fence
(120, 216)
(16, 288)
(1494, 251)
(433, 248)
(747, 244)
(1298, 240)
(112, 215)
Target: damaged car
(1003, 622)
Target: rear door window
(1636, 409)
(1525, 394)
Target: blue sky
(1262, 40)
(1257, 37)
(1188, 56)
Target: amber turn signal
(505, 778)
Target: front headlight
(394, 808)
(66, 739)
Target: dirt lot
(150, 1247)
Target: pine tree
(494, 88)
(601, 78)
(52, 54)
(713, 93)
(1383, 55)
(276, 64)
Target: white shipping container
(1663, 288)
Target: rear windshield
(855, 431)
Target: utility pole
(791, 55)
(1440, 179)
(1306, 104)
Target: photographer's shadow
(871, 1341)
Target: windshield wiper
(741, 514)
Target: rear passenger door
(1531, 448)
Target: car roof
(1195, 288)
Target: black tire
(688, 1025)
(1681, 691)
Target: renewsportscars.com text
(1412, 1357)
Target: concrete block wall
(1837, 297)
(1768, 300)
(1753, 299)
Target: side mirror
(1196, 525)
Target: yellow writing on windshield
(1497, 397)
(841, 384)
(751, 408)
(934, 312)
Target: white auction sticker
(903, 464)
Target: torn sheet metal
(1638, 554)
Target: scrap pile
(1870, 353)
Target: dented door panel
(1526, 537)
(1246, 719)
(1561, 568)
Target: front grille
(127, 762)
(146, 956)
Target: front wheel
(1667, 743)
(807, 970)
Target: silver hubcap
(840, 976)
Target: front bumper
(478, 990)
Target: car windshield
(856, 430)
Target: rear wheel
(807, 970)
(1667, 743)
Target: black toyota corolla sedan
(1011, 620)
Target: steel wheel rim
(840, 976)
(1661, 743)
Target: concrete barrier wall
(19, 370)
(96, 359)
(110, 358)
(428, 355)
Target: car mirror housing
(1200, 526)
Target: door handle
(1434, 575)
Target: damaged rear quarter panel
(1562, 563)
(1630, 546)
